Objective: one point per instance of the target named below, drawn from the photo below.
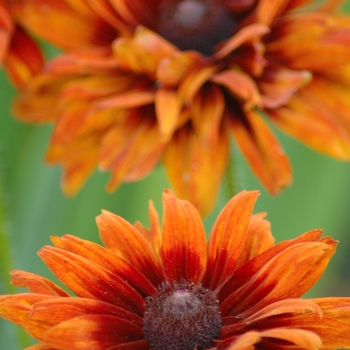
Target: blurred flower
(172, 80)
(167, 288)
(19, 53)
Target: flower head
(167, 288)
(139, 82)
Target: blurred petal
(189, 165)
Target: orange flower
(167, 288)
(148, 80)
(19, 54)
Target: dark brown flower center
(182, 317)
(195, 24)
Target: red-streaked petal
(261, 149)
(333, 329)
(135, 345)
(278, 280)
(57, 310)
(233, 325)
(107, 260)
(184, 245)
(36, 284)
(302, 339)
(125, 241)
(24, 58)
(227, 238)
(189, 166)
(246, 271)
(89, 280)
(92, 332)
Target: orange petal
(246, 34)
(279, 84)
(93, 332)
(259, 238)
(55, 21)
(57, 310)
(261, 150)
(241, 85)
(88, 280)
(227, 238)
(125, 241)
(131, 149)
(295, 307)
(251, 267)
(184, 251)
(313, 122)
(189, 166)
(36, 284)
(288, 275)
(109, 261)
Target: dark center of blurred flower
(195, 24)
(182, 317)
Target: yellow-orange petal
(94, 283)
(261, 149)
(168, 108)
(227, 238)
(191, 166)
(335, 307)
(125, 241)
(109, 261)
(36, 284)
(93, 332)
(206, 113)
(143, 52)
(278, 280)
(183, 252)
(15, 308)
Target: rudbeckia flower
(145, 81)
(19, 53)
(166, 288)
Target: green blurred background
(33, 206)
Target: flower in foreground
(144, 81)
(166, 288)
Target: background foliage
(32, 206)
